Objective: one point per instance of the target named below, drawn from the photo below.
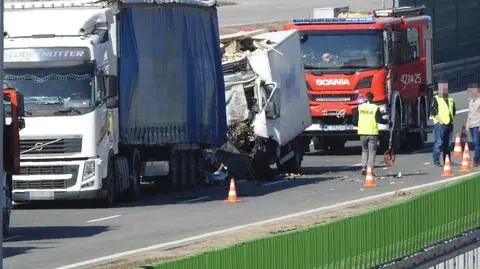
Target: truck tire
(109, 186)
(416, 140)
(7, 209)
(183, 156)
(192, 162)
(261, 167)
(294, 164)
(134, 191)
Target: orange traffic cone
(369, 179)
(457, 151)
(447, 168)
(465, 161)
(464, 138)
(470, 159)
(232, 193)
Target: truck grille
(50, 146)
(39, 184)
(47, 183)
(333, 97)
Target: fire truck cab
(388, 54)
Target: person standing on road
(473, 120)
(443, 113)
(367, 118)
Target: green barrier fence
(360, 241)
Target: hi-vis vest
(444, 111)
(367, 124)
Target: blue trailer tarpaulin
(171, 81)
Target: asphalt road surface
(55, 237)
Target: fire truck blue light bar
(332, 20)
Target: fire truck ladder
(399, 12)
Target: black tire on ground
(191, 169)
(134, 191)
(7, 211)
(397, 132)
(294, 164)
(261, 167)
(109, 185)
(416, 140)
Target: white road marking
(274, 183)
(236, 228)
(12, 237)
(195, 200)
(111, 217)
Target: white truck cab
(56, 55)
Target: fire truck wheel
(416, 140)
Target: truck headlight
(88, 170)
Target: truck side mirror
(111, 89)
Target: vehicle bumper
(318, 129)
(35, 195)
(58, 180)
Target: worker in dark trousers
(443, 113)
(473, 121)
(367, 118)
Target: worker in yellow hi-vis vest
(443, 113)
(367, 119)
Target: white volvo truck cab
(59, 58)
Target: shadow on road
(20, 234)
(357, 150)
(15, 251)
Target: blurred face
(473, 91)
(443, 89)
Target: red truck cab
(13, 122)
(388, 54)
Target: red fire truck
(13, 122)
(389, 54)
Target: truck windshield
(342, 49)
(53, 91)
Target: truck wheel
(192, 169)
(7, 210)
(261, 167)
(183, 170)
(133, 192)
(109, 186)
(397, 133)
(417, 139)
(294, 164)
